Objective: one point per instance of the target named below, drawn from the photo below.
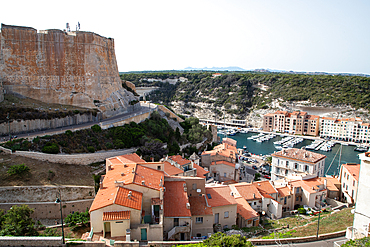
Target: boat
(361, 148)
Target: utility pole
(7, 117)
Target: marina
(267, 147)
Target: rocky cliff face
(75, 68)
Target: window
(354, 182)
(225, 174)
(199, 235)
(345, 175)
(284, 200)
(295, 165)
(287, 163)
(199, 220)
(344, 185)
(159, 168)
(254, 203)
(297, 198)
(226, 214)
(297, 191)
(175, 221)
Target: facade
(346, 129)
(202, 216)
(299, 123)
(293, 161)
(349, 182)
(361, 221)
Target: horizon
(315, 36)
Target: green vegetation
(221, 239)
(17, 222)
(78, 219)
(357, 243)
(18, 170)
(149, 136)
(241, 89)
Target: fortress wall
(26, 126)
(53, 66)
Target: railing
(89, 238)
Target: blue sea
(267, 147)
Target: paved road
(138, 111)
(322, 243)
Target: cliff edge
(75, 68)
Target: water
(267, 147)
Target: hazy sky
(299, 35)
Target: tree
(18, 222)
(78, 219)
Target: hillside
(236, 94)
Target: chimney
(122, 174)
(161, 194)
(325, 183)
(128, 235)
(254, 196)
(109, 167)
(161, 182)
(101, 185)
(182, 155)
(143, 182)
(188, 205)
(152, 159)
(133, 170)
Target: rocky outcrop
(75, 68)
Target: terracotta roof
(132, 157)
(269, 115)
(331, 183)
(179, 160)
(223, 149)
(248, 191)
(284, 191)
(222, 162)
(200, 171)
(308, 184)
(151, 177)
(171, 170)
(198, 206)
(265, 186)
(245, 210)
(353, 169)
(229, 141)
(219, 196)
(299, 154)
(175, 200)
(116, 215)
(117, 195)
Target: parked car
(267, 176)
(254, 167)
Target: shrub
(69, 133)
(50, 148)
(20, 170)
(96, 128)
(91, 149)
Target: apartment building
(348, 178)
(293, 161)
(297, 122)
(345, 129)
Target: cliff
(75, 68)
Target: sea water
(267, 148)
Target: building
(130, 197)
(361, 220)
(348, 178)
(293, 161)
(297, 122)
(202, 216)
(345, 129)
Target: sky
(298, 35)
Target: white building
(361, 220)
(293, 161)
(346, 129)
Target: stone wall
(172, 115)
(30, 241)
(74, 68)
(76, 159)
(137, 119)
(27, 126)
(1, 91)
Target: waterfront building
(345, 129)
(299, 123)
(293, 161)
(349, 181)
(361, 220)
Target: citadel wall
(75, 68)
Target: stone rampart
(27, 126)
(74, 68)
(172, 115)
(75, 159)
(137, 119)
(30, 241)
(24, 194)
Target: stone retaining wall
(74, 159)
(27, 126)
(30, 241)
(172, 115)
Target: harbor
(277, 142)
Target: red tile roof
(198, 206)
(245, 210)
(117, 195)
(151, 177)
(116, 215)
(171, 170)
(309, 185)
(248, 191)
(265, 186)
(284, 191)
(175, 200)
(223, 162)
(300, 155)
(229, 141)
(220, 196)
(179, 160)
(200, 171)
(132, 157)
(223, 149)
(353, 169)
(331, 183)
